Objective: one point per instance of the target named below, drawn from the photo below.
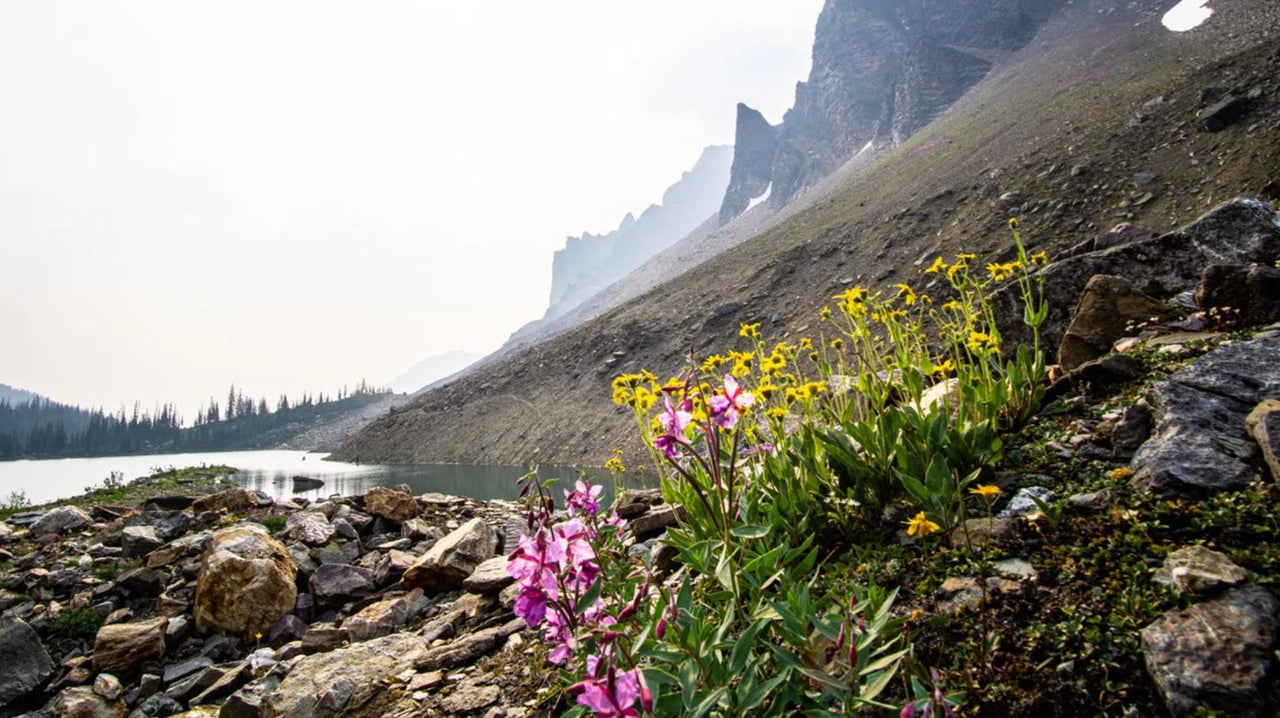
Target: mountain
(430, 370)
(589, 263)
(16, 396)
(1092, 122)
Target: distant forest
(42, 429)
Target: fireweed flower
(585, 499)
(613, 695)
(921, 526)
(727, 404)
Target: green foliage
(15, 503)
(273, 523)
(78, 624)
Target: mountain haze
(1093, 121)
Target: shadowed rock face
(882, 69)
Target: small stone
(121, 648)
(232, 500)
(1198, 571)
(139, 540)
(468, 698)
(1018, 568)
(60, 520)
(82, 702)
(334, 584)
(657, 520)
(1023, 503)
(309, 527)
(490, 577)
(1090, 502)
(108, 686)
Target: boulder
(1263, 424)
(24, 663)
(309, 527)
(139, 541)
(323, 637)
(1241, 231)
(1200, 415)
(1131, 431)
(168, 525)
(983, 532)
(60, 520)
(248, 702)
(333, 584)
(231, 501)
(349, 682)
(1252, 291)
(122, 648)
(288, 628)
(1198, 571)
(490, 577)
(657, 520)
(247, 580)
(82, 702)
(382, 618)
(1023, 503)
(453, 558)
(391, 504)
(1109, 308)
(1215, 655)
(468, 649)
(391, 566)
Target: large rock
(82, 702)
(469, 648)
(1109, 308)
(1216, 654)
(1253, 293)
(168, 525)
(61, 520)
(1242, 231)
(453, 558)
(334, 583)
(1263, 424)
(349, 682)
(382, 618)
(122, 648)
(1200, 416)
(309, 527)
(247, 580)
(392, 504)
(139, 541)
(231, 500)
(24, 663)
(490, 577)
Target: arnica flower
(937, 267)
(750, 331)
(907, 294)
(614, 466)
(944, 368)
(986, 491)
(1013, 223)
(1123, 472)
(921, 526)
(1001, 272)
(982, 344)
(825, 313)
(713, 362)
(1040, 259)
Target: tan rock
(453, 558)
(391, 504)
(346, 682)
(1196, 570)
(381, 618)
(82, 702)
(232, 500)
(247, 581)
(121, 648)
(1108, 305)
(1263, 424)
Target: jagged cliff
(882, 69)
(590, 263)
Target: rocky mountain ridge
(1095, 121)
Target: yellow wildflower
(1001, 272)
(1123, 472)
(937, 267)
(944, 368)
(806, 344)
(983, 344)
(614, 466)
(1040, 259)
(750, 331)
(837, 344)
(952, 306)
(713, 362)
(986, 491)
(777, 413)
(921, 526)
(825, 313)
(1013, 223)
(907, 294)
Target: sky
(290, 196)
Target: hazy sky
(294, 195)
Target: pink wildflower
(729, 402)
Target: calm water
(272, 472)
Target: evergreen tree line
(44, 429)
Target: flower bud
(908, 711)
(661, 630)
(646, 696)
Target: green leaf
(590, 596)
(710, 701)
(742, 649)
(688, 682)
(750, 532)
(759, 693)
